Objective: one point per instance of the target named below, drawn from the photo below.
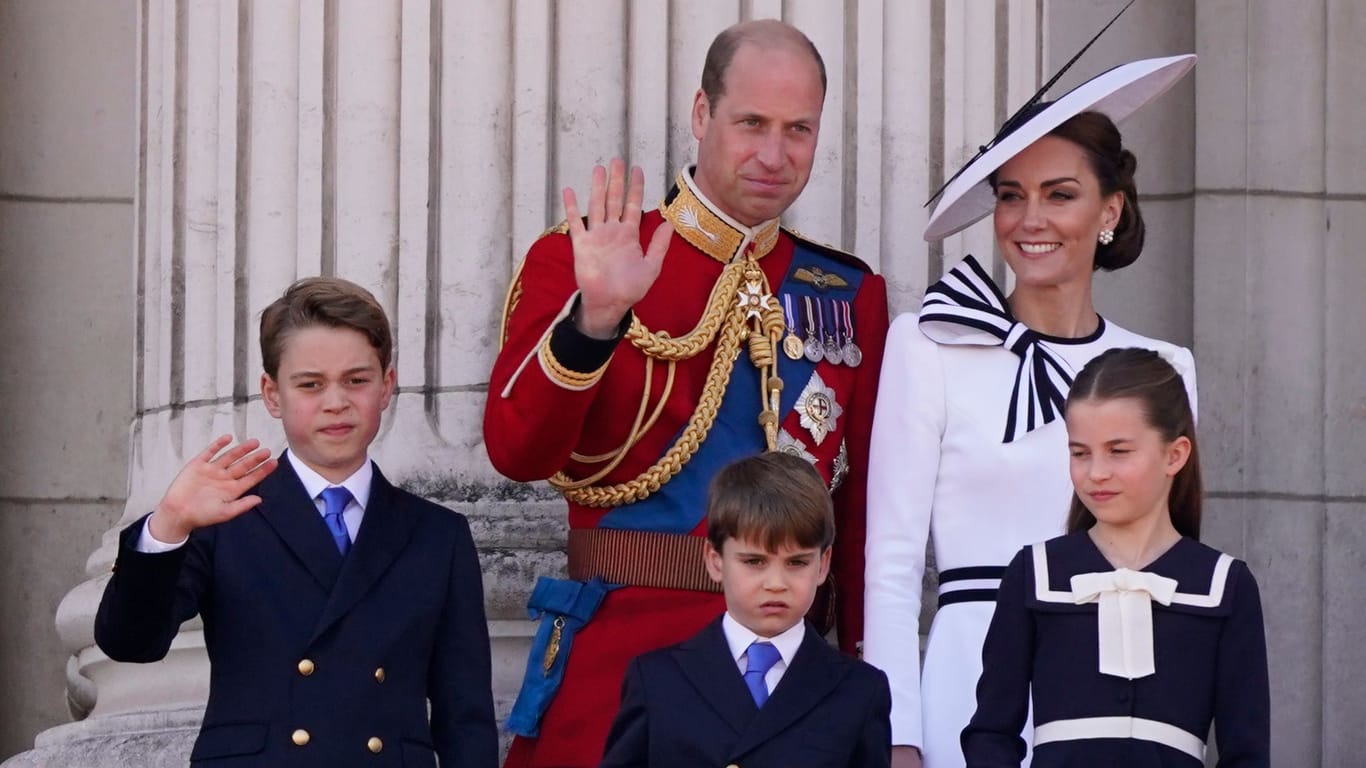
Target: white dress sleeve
(908, 426)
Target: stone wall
(67, 159)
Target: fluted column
(418, 147)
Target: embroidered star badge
(789, 444)
(818, 409)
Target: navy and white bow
(966, 307)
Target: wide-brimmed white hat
(1117, 93)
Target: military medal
(792, 346)
(852, 354)
(832, 345)
(840, 467)
(813, 349)
(791, 445)
(753, 299)
(818, 409)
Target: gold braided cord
(621, 452)
(652, 479)
(661, 347)
(663, 399)
(634, 437)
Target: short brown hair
(323, 301)
(766, 32)
(774, 499)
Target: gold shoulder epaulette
(821, 245)
(510, 299)
(514, 292)
(559, 229)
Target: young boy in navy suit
(336, 607)
(758, 687)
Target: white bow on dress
(1125, 616)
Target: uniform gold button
(306, 667)
(300, 737)
(379, 675)
(374, 744)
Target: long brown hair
(1143, 376)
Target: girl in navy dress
(1132, 634)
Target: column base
(146, 739)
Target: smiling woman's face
(1049, 213)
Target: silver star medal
(791, 445)
(818, 409)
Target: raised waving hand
(610, 268)
(209, 489)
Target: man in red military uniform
(642, 352)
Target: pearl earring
(1107, 236)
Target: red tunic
(532, 425)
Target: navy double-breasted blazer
(687, 706)
(316, 659)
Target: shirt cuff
(581, 353)
(150, 545)
(574, 360)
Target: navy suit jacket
(304, 645)
(687, 706)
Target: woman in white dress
(968, 443)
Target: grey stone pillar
(275, 141)
(66, 202)
(1279, 276)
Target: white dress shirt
(739, 638)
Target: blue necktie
(761, 658)
(335, 500)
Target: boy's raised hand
(209, 489)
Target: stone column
(66, 202)
(275, 141)
(1278, 323)
(418, 147)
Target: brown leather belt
(639, 558)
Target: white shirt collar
(739, 637)
(358, 483)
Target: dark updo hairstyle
(1142, 375)
(1114, 167)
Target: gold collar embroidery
(709, 230)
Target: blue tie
(761, 658)
(335, 500)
